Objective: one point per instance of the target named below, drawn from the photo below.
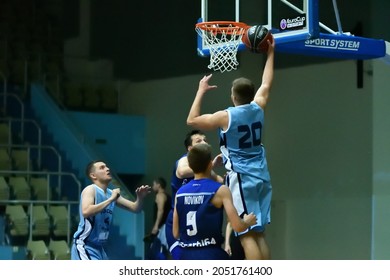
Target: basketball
(255, 38)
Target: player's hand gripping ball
(255, 38)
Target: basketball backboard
(288, 21)
(295, 26)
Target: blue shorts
(86, 252)
(173, 244)
(203, 253)
(251, 194)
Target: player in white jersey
(241, 145)
(97, 204)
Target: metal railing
(48, 200)
(6, 95)
(22, 125)
(30, 213)
(39, 149)
(4, 78)
(48, 176)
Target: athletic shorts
(87, 252)
(173, 244)
(203, 253)
(251, 195)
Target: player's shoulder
(184, 188)
(89, 188)
(183, 156)
(223, 190)
(208, 182)
(182, 159)
(256, 105)
(162, 195)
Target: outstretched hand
(143, 191)
(204, 83)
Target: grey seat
(40, 222)
(21, 159)
(4, 134)
(59, 215)
(59, 250)
(37, 250)
(40, 188)
(20, 188)
(18, 221)
(5, 162)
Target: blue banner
(336, 46)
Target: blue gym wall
(120, 139)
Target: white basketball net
(223, 45)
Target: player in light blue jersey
(97, 204)
(244, 154)
(198, 213)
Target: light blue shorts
(251, 195)
(86, 252)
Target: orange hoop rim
(227, 27)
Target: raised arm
(183, 170)
(205, 121)
(262, 94)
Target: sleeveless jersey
(176, 182)
(167, 208)
(94, 230)
(200, 222)
(241, 144)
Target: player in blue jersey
(97, 204)
(181, 175)
(198, 213)
(240, 130)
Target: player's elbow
(136, 209)
(182, 174)
(239, 227)
(190, 122)
(195, 122)
(86, 213)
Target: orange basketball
(255, 38)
